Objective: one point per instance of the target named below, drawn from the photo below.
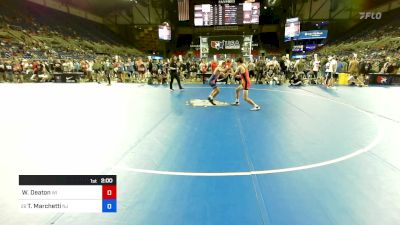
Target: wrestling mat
(205, 103)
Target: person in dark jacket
(174, 73)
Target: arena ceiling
(101, 7)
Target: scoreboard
(226, 14)
(68, 193)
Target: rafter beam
(320, 7)
(140, 12)
(338, 12)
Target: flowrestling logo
(370, 15)
(230, 44)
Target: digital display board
(311, 47)
(298, 48)
(226, 14)
(313, 34)
(292, 28)
(164, 32)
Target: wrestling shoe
(255, 108)
(211, 101)
(235, 104)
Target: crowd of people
(376, 46)
(312, 70)
(26, 56)
(33, 51)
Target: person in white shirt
(273, 69)
(316, 65)
(203, 68)
(328, 72)
(275, 65)
(331, 67)
(334, 65)
(70, 65)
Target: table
(73, 77)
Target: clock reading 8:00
(107, 180)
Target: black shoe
(211, 100)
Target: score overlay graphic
(68, 193)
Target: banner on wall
(298, 48)
(309, 35)
(313, 34)
(384, 79)
(225, 44)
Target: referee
(173, 72)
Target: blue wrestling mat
(310, 156)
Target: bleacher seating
(40, 30)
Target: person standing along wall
(173, 71)
(353, 70)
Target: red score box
(109, 192)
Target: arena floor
(311, 156)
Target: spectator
(335, 74)
(390, 66)
(9, 71)
(214, 65)
(261, 69)
(57, 67)
(193, 70)
(2, 71)
(26, 68)
(283, 65)
(108, 70)
(296, 80)
(173, 70)
(316, 66)
(17, 70)
(344, 65)
(44, 72)
(354, 66)
(153, 66)
(89, 70)
(162, 71)
(130, 69)
(141, 69)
